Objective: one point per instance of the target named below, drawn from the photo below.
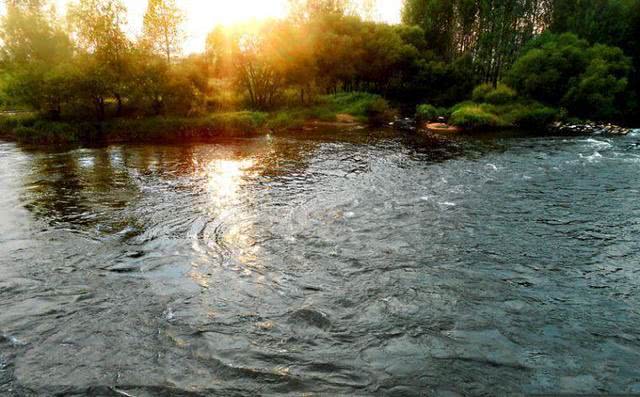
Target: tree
(35, 55)
(98, 26)
(250, 55)
(563, 70)
(601, 92)
(611, 22)
(548, 65)
(44, 88)
(491, 31)
(163, 27)
(31, 33)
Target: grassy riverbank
(346, 108)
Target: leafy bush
(286, 120)
(529, 114)
(426, 112)
(352, 103)
(49, 132)
(533, 115)
(25, 134)
(238, 121)
(475, 117)
(8, 123)
(480, 92)
(501, 95)
(379, 112)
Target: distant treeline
(581, 57)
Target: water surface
(371, 264)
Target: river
(375, 263)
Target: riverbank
(347, 109)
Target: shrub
(10, 122)
(379, 112)
(501, 95)
(285, 120)
(25, 134)
(480, 92)
(48, 132)
(238, 121)
(533, 115)
(475, 117)
(428, 112)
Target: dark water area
(376, 263)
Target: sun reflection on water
(230, 230)
(226, 177)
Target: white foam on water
(595, 157)
(169, 315)
(14, 341)
(598, 143)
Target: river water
(376, 263)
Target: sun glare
(225, 178)
(203, 15)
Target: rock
(405, 124)
(588, 128)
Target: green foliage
(501, 95)
(238, 121)
(475, 117)
(491, 30)
(565, 71)
(352, 103)
(481, 91)
(90, 69)
(51, 132)
(427, 112)
(29, 33)
(435, 81)
(286, 119)
(162, 28)
(523, 114)
(9, 123)
(379, 112)
(532, 115)
(548, 66)
(601, 91)
(362, 107)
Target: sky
(203, 15)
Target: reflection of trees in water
(89, 187)
(55, 190)
(78, 188)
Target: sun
(203, 15)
